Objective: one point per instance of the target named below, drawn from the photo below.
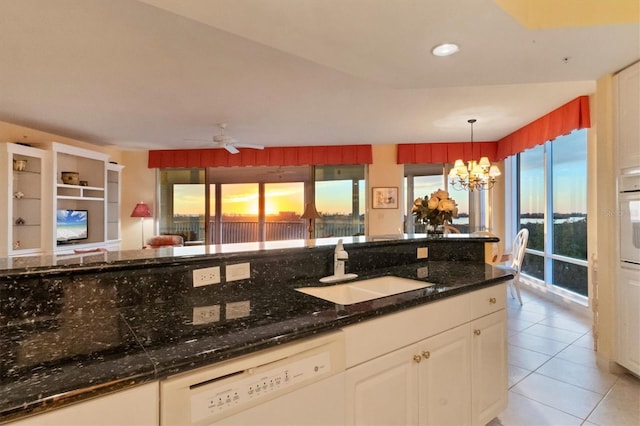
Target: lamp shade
(310, 212)
(141, 210)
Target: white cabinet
(626, 112)
(137, 406)
(629, 318)
(445, 378)
(488, 367)
(453, 377)
(383, 391)
(22, 187)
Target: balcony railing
(242, 232)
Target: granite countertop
(101, 260)
(87, 348)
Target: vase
(435, 229)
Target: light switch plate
(238, 271)
(423, 252)
(238, 309)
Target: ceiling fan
(225, 141)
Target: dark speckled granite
(73, 331)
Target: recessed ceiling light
(445, 49)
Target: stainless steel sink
(361, 291)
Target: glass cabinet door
(24, 215)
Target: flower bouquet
(435, 210)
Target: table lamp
(141, 210)
(310, 213)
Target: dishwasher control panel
(255, 385)
(209, 394)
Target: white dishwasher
(299, 383)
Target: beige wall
(138, 184)
(384, 172)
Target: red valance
(274, 156)
(561, 121)
(445, 152)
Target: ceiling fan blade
(248, 145)
(232, 149)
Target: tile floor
(553, 376)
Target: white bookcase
(31, 184)
(23, 179)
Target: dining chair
(517, 255)
(449, 229)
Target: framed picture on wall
(385, 198)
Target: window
(260, 203)
(340, 200)
(552, 205)
(245, 204)
(240, 211)
(284, 203)
(421, 180)
(182, 206)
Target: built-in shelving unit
(91, 167)
(31, 183)
(114, 172)
(22, 182)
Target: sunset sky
(331, 197)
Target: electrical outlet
(206, 276)
(423, 252)
(422, 272)
(238, 271)
(206, 314)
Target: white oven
(629, 219)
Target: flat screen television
(71, 225)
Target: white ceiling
(155, 74)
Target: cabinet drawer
(378, 336)
(488, 300)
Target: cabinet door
(488, 367)
(629, 319)
(627, 111)
(138, 406)
(383, 391)
(444, 378)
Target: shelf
(72, 197)
(25, 172)
(86, 188)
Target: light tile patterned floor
(553, 376)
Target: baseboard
(565, 300)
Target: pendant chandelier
(476, 175)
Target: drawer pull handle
(492, 300)
(426, 354)
(417, 358)
(477, 332)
